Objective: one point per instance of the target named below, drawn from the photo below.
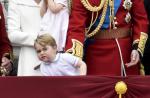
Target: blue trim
(107, 21)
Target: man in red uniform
(146, 56)
(114, 33)
(5, 48)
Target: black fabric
(146, 56)
(147, 7)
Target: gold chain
(88, 6)
(111, 17)
(94, 32)
(69, 2)
(92, 22)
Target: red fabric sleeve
(5, 46)
(139, 18)
(76, 29)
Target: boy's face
(45, 54)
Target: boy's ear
(55, 47)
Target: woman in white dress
(23, 24)
(55, 20)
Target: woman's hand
(6, 66)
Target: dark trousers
(146, 57)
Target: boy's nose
(42, 52)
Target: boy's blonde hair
(45, 39)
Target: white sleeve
(73, 60)
(16, 36)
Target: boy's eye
(38, 51)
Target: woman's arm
(17, 36)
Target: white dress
(56, 24)
(23, 26)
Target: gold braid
(94, 32)
(69, 2)
(92, 22)
(88, 6)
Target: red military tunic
(102, 55)
(5, 46)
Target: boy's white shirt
(63, 65)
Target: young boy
(54, 63)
